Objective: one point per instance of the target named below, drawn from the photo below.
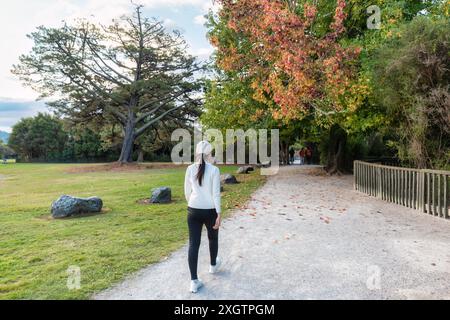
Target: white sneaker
(215, 269)
(195, 285)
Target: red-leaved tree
(293, 70)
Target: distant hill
(4, 136)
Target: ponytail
(201, 170)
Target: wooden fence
(425, 190)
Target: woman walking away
(202, 191)
(302, 156)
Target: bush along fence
(427, 191)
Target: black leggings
(196, 219)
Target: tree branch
(150, 123)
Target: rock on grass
(161, 195)
(228, 179)
(67, 206)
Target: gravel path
(304, 236)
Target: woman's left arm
(216, 196)
(187, 185)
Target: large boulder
(245, 170)
(228, 179)
(161, 195)
(67, 206)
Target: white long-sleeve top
(206, 196)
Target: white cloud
(202, 53)
(201, 20)
(169, 23)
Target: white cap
(203, 147)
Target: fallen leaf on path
(325, 219)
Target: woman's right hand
(218, 222)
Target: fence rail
(425, 190)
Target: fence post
(429, 199)
(379, 182)
(422, 192)
(439, 194)
(446, 196)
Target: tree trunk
(128, 142)
(284, 154)
(336, 150)
(140, 156)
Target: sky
(20, 17)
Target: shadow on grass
(146, 202)
(77, 216)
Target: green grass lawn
(36, 251)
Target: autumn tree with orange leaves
(292, 70)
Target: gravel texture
(308, 236)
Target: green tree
(41, 138)
(133, 71)
(412, 73)
(84, 143)
(5, 151)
